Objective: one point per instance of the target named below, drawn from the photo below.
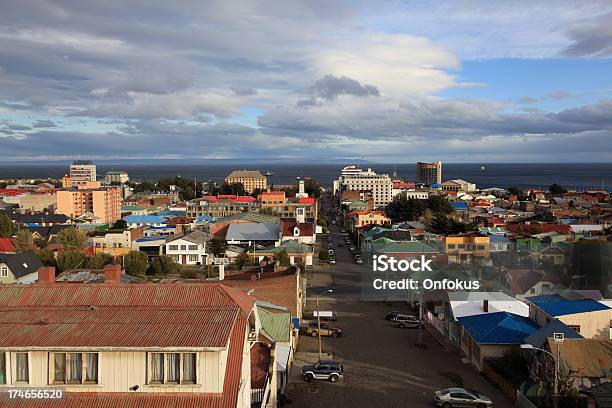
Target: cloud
(330, 86)
(18, 127)
(44, 124)
(591, 38)
(243, 91)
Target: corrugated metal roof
(253, 232)
(586, 357)
(567, 307)
(123, 315)
(227, 399)
(276, 325)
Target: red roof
(306, 228)
(6, 245)
(307, 200)
(229, 197)
(120, 315)
(540, 228)
(10, 192)
(280, 290)
(227, 399)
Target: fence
(505, 386)
(435, 322)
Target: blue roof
(498, 239)
(567, 307)
(205, 218)
(551, 297)
(152, 227)
(459, 205)
(151, 238)
(538, 338)
(144, 219)
(498, 328)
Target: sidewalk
(443, 341)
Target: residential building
(251, 180)
(590, 318)
(299, 253)
(300, 208)
(464, 249)
(188, 249)
(221, 206)
(429, 173)
(21, 267)
(6, 246)
(38, 202)
(103, 204)
(117, 177)
(250, 234)
(115, 344)
(350, 196)
(152, 246)
(304, 232)
(82, 171)
(355, 178)
(135, 221)
(492, 335)
(114, 243)
(528, 282)
(457, 185)
(361, 219)
(500, 243)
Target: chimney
(112, 274)
(46, 274)
(485, 306)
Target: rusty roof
(193, 315)
(227, 399)
(585, 357)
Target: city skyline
(397, 82)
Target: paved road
(383, 366)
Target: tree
(167, 264)
(323, 255)
(70, 260)
(24, 241)
(120, 225)
(72, 239)
(282, 258)
(520, 194)
(443, 224)
(46, 257)
(41, 242)
(7, 227)
(135, 263)
(98, 261)
(557, 190)
(243, 260)
(217, 246)
(155, 268)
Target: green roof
(383, 245)
(374, 231)
(131, 208)
(276, 325)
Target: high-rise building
(250, 179)
(82, 171)
(120, 177)
(429, 173)
(103, 204)
(357, 179)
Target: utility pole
(319, 321)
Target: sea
(574, 176)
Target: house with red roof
(6, 246)
(304, 232)
(118, 344)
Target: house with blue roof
(135, 221)
(588, 317)
(492, 335)
(459, 206)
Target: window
(22, 373)
(183, 247)
(172, 368)
(3, 271)
(576, 328)
(2, 368)
(193, 258)
(451, 246)
(173, 247)
(193, 247)
(74, 368)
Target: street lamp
(319, 319)
(556, 361)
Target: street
(383, 367)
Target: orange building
(103, 204)
(466, 248)
(360, 219)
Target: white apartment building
(355, 178)
(82, 171)
(120, 177)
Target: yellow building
(360, 219)
(250, 179)
(466, 248)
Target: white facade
(354, 178)
(82, 171)
(186, 252)
(116, 177)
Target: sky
(313, 80)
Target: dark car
(330, 370)
(461, 397)
(391, 315)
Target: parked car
(407, 324)
(330, 370)
(391, 315)
(359, 261)
(461, 397)
(326, 330)
(331, 261)
(404, 317)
